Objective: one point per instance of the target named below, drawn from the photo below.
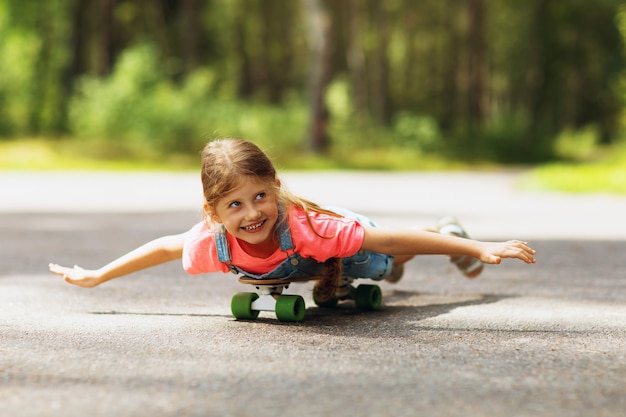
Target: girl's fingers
(55, 268)
(520, 250)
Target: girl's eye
(235, 204)
(260, 196)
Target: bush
(17, 54)
(139, 108)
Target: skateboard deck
(291, 308)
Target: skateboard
(291, 308)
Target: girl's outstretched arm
(155, 252)
(412, 242)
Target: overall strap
(221, 244)
(283, 231)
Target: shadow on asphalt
(349, 320)
(394, 314)
(131, 313)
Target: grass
(608, 176)
(585, 178)
(66, 154)
(599, 170)
(70, 154)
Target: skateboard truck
(291, 308)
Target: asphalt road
(522, 340)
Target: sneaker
(470, 267)
(325, 287)
(396, 274)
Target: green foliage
(141, 108)
(580, 145)
(18, 50)
(135, 105)
(33, 93)
(417, 132)
(376, 145)
(511, 82)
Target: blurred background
(319, 84)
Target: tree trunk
(380, 68)
(106, 45)
(321, 63)
(356, 58)
(245, 84)
(477, 100)
(190, 34)
(76, 65)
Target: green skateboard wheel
(241, 306)
(368, 296)
(290, 308)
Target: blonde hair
(226, 162)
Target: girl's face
(249, 212)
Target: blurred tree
(499, 77)
(104, 21)
(319, 21)
(190, 34)
(381, 20)
(356, 56)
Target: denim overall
(363, 264)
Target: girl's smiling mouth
(254, 227)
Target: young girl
(254, 227)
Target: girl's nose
(253, 213)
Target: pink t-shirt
(200, 253)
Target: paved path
(490, 204)
(540, 340)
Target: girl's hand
(78, 276)
(493, 252)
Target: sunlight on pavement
(534, 314)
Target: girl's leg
(470, 267)
(325, 288)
